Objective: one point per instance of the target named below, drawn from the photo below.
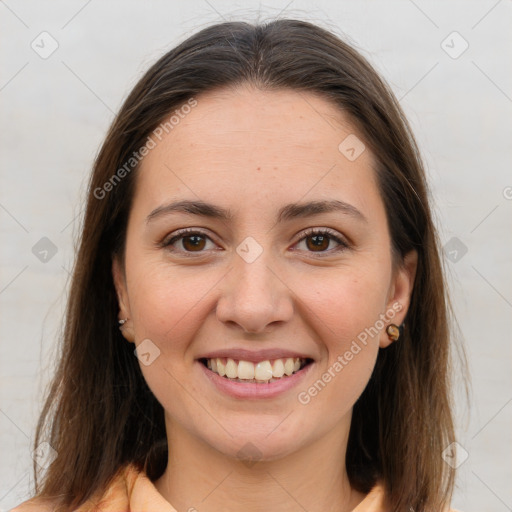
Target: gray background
(55, 112)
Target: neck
(198, 477)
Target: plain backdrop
(65, 68)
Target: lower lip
(253, 390)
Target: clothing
(132, 491)
(136, 493)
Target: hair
(99, 414)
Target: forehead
(245, 116)
(255, 145)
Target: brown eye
(193, 242)
(318, 242)
(188, 241)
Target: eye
(319, 240)
(188, 240)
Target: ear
(400, 294)
(122, 298)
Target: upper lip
(254, 356)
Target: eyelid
(342, 242)
(181, 233)
(320, 230)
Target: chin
(258, 442)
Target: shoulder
(376, 501)
(115, 494)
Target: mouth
(261, 372)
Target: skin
(253, 152)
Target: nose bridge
(255, 277)
(253, 296)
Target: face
(286, 258)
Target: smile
(261, 372)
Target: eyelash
(183, 233)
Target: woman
(258, 234)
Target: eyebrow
(286, 213)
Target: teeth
(231, 369)
(245, 370)
(221, 368)
(264, 371)
(288, 366)
(278, 368)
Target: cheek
(344, 309)
(349, 354)
(166, 302)
(346, 303)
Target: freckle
(258, 169)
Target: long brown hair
(100, 415)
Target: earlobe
(401, 292)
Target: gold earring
(393, 332)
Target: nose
(254, 296)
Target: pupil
(319, 241)
(194, 242)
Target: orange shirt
(132, 491)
